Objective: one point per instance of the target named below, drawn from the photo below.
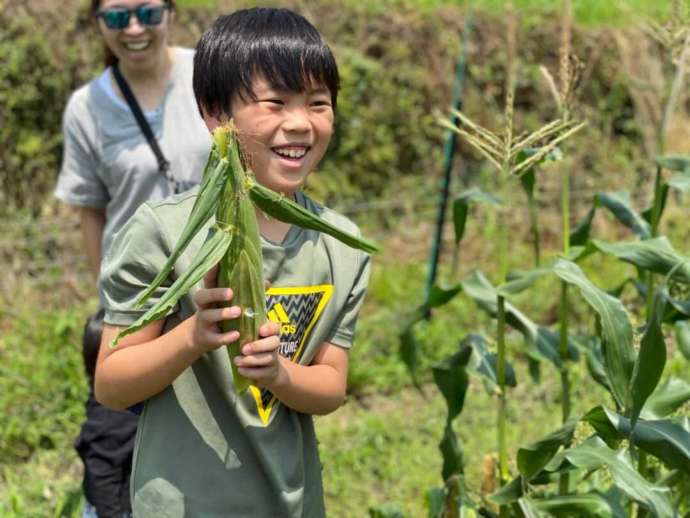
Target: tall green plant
(629, 364)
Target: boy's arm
(146, 362)
(318, 388)
(142, 365)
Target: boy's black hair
(277, 44)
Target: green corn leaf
(597, 417)
(616, 330)
(651, 357)
(680, 182)
(585, 505)
(451, 452)
(511, 492)
(619, 204)
(656, 255)
(527, 508)
(677, 163)
(204, 206)
(435, 500)
(284, 209)
(438, 296)
(451, 378)
(648, 213)
(666, 399)
(461, 207)
(667, 440)
(580, 234)
(591, 347)
(483, 363)
(533, 458)
(519, 281)
(209, 255)
(409, 354)
(542, 343)
(594, 453)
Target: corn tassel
(233, 243)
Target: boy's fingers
(265, 345)
(213, 316)
(211, 278)
(208, 296)
(227, 338)
(269, 329)
(255, 360)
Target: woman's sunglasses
(117, 18)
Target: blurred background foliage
(397, 60)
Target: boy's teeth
(291, 152)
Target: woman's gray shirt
(107, 162)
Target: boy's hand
(204, 331)
(260, 361)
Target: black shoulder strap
(163, 164)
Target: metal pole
(448, 154)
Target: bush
(37, 74)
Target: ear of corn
(233, 243)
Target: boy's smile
(284, 134)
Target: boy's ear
(211, 121)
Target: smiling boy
(201, 449)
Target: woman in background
(109, 168)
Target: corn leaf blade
(209, 254)
(204, 206)
(284, 209)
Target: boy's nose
(297, 120)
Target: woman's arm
(92, 225)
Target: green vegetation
(381, 450)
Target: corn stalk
(504, 151)
(230, 194)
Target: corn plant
(230, 195)
(607, 473)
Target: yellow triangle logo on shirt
(296, 309)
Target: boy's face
(283, 134)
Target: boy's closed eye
(272, 101)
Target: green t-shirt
(201, 450)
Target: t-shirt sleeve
(136, 255)
(347, 321)
(79, 183)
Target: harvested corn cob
(230, 192)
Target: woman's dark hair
(109, 59)
(277, 44)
